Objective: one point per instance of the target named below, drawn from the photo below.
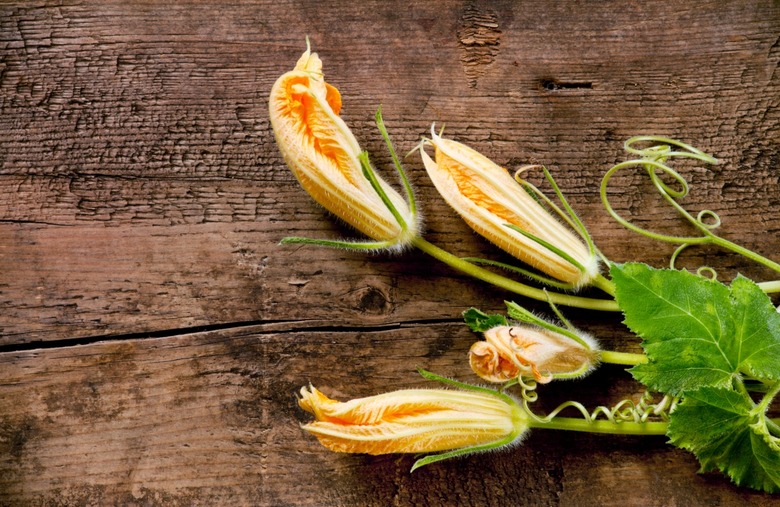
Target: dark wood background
(153, 334)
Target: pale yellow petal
(412, 420)
(488, 198)
(538, 352)
(323, 153)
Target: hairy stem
(773, 391)
(512, 285)
(770, 287)
(603, 426)
(625, 358)
(753, 256)
(604, 284)
(773, 427)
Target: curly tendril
(653, 160)
(624, 411)
(707, 272)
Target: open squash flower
(509, 352)
(415, 421)
(326, 159)
(495, 206)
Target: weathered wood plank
(211, 418)
(113, 123)
(142, 199)
(76, 282)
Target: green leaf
(479, 321)
(758, 330)
(697, 332)
(721, 427)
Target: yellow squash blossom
(488, 199)
(414, 421)
(325, 157)
(528, 351)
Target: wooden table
(154, 334)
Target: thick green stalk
(502, 282)
(625, 358)
(770, 287)
(603, 426)
(708, 236)
(755, 257)
(604, 284)
(766, 401)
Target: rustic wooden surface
(153, 333)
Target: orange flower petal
(323, 154)
(410, 421)
(488, 198)
(509, 351)
(489, 365)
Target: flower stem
(625, 358)
(773, 391)
(604, 284)
(603, 426)
(512, 285)
(755, 257)
(763, 406)
(770, 287)
(773, 427)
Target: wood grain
(211, 418)
(153, 332)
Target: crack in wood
(480, 38)
(260, 327)
(552, 85)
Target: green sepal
(346, 244)
(479, 321)
(549, 246)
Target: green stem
(348, 245)
(511, 285)
(524, 272)
(695, 240)
(604, 284)
(773, 427)
(707, 235)
(707, 238)
(370, 175)
(763, 406)
(770, 287)
(380, 123)
(728, 245)
(625, 358)
(603, 426)
(631, 359)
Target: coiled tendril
(624, 411)
(653, 160)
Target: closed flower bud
(323, 154)
(413, 421)
(530, 352)
(488, 199)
